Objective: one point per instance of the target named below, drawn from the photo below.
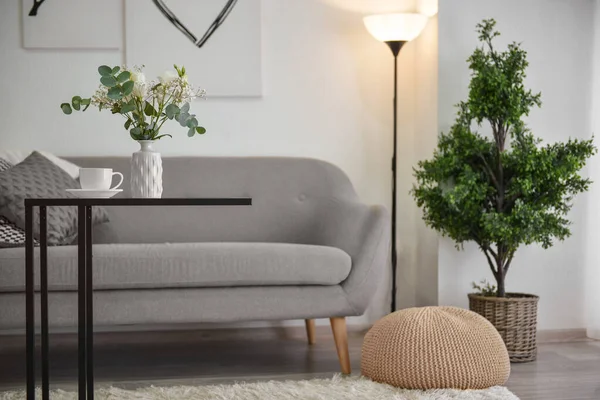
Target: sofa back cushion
(288, 194)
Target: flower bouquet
(145, 106)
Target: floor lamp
(395, 30)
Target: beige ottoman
(435, 348)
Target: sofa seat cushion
(179, 265)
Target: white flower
(139, 90)
(139, 87)
(138, 77)
(167, 77)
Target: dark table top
(203, 201)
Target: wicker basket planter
(515, 318)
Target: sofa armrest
(363, 232)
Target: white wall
(327, 94)
(417, 244)
(558, 37)
(592, 253)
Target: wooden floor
(563, 371)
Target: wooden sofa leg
(310, 331)
(340, 335)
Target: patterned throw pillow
(38, 177)
(11, 235)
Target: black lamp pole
(395, 46)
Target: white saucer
(94, 194)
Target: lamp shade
(395, 27)
(427, 7)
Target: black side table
(85, 289)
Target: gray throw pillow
(4, 165)
(38, 177)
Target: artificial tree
(504, 189)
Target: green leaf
(182, 118)
(192, 123)
(200, 130)
(108, 81)
(185, 108)
(66, 108)
(114, 93)
(105, 70)
(171, 111)
(149, 110)
(76, 102)
(86, 103)
(128, 122)
(136, 133)
(115, 70)
(123, 76)
(191, 132)
(161, 136)
(128, 107)
(128, 88)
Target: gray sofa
(307, 248)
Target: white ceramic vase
(146, 172)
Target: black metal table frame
(84, 285)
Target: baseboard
(561, 335)
(593, 333)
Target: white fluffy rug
(337, 388)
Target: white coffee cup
(98, 178)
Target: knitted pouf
(435, 348)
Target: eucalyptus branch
(168, 101)
(146, 107)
